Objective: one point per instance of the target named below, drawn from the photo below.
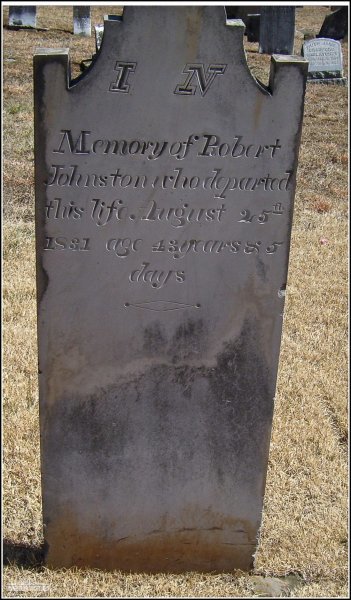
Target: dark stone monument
(242, 12)
(165, 179)
(253, 28)
(335, 25)
(22, 17)
(250, 15)
(277, 30)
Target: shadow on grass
(22, 555)
(50, 30)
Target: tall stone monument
(81, 21)
(277, 30)
(165, 180)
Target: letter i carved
(123, 69)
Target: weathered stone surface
(335, 25)
(165, 180)
(81, 21)
(324, 58)
(22, 16)
(277, 30)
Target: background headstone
(253, 28)
(81, 20)
(250, 15)
(325, 59)
(22, 16)
(335, 25)
(165, 181)
(277, 30)
(242, 12)
(99, 32)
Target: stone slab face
(324, 57)
(22, 16)
(165, 181)
(81, 21)
(277, 30)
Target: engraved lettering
(156, 278)
(102, 213)
(246, 216)
(123, 69)
(213, 148)
(263, 216)
(63, 243)
(181, 149)
(75, 147)
(271, 249)
(204, 79)
(180, 216)
(122, 247)
(55, 209)
(252, 247)
(179, 249)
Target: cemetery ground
(304, 529)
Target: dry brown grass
(304, 527)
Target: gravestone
(250, 15)
(165, 180)
(335, 25)
(22, 16)
(277, 30)
(99, 32)
(242, 12)
(81, 21)
(324, 60)
(253, 28)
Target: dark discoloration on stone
(155, 340)
(169, 551)
(42, 62)
(224, 430)
(189, 339)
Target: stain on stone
(166, 551)
(155, 339)
(184, 377)
(188, 423)
(189, 340)
(261, 269)
(240, 403)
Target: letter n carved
(123, 69)
(204, 80)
